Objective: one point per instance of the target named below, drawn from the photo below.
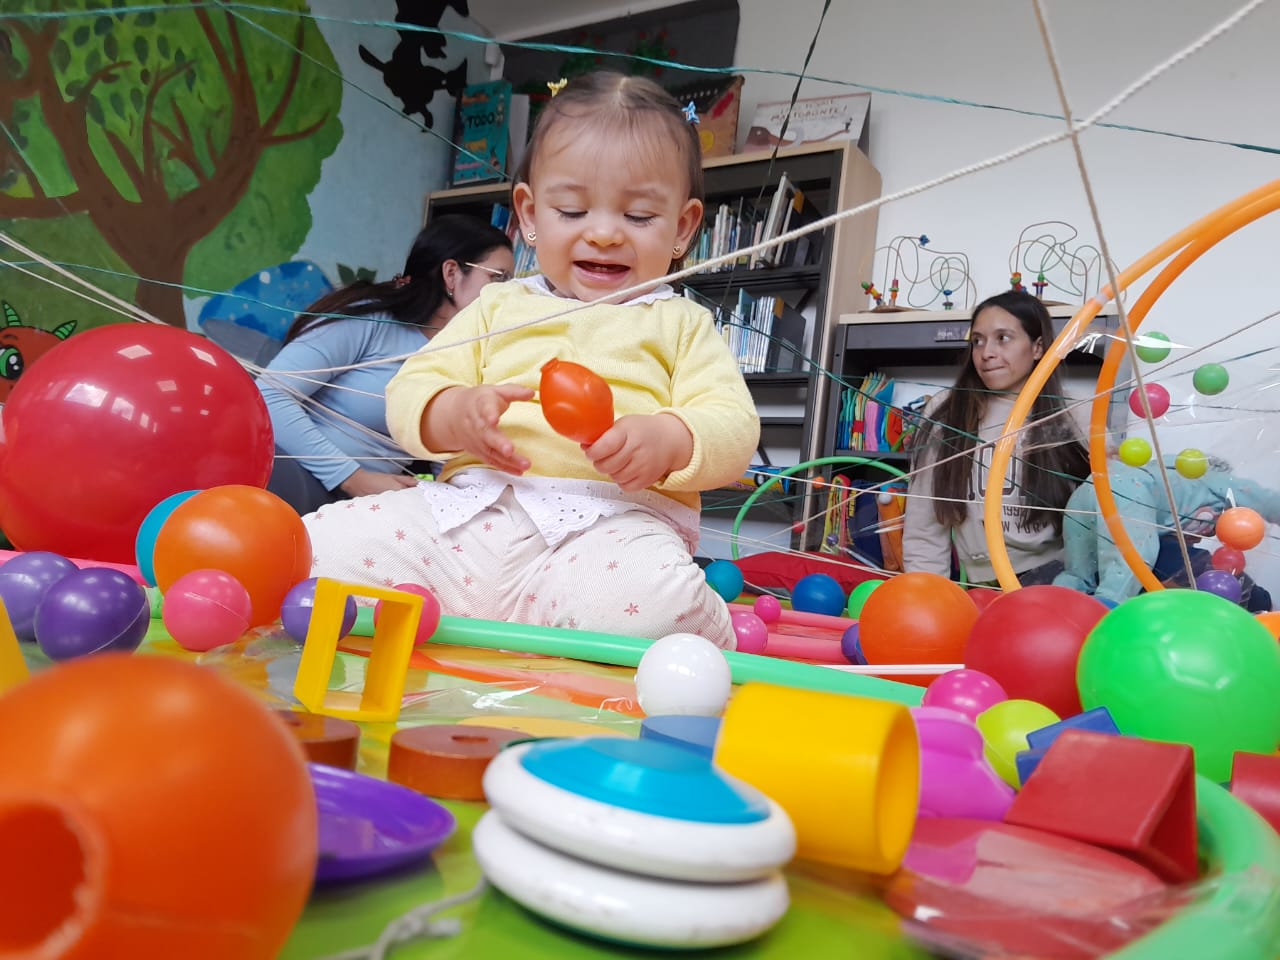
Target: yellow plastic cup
(846, 769)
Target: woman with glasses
(325, 388)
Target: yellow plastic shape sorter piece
(13, 666)
(394, 637)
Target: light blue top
(318, 432)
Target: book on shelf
(491, 126)
(781, 123)
(764, 333)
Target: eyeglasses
(500, 276)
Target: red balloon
(116, 419)
(149, 808)
(576, 402)
(916, 618)
(1029, 641)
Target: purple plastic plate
(369, 826)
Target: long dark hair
(415, 295)
(1054, 461)
(617, 105)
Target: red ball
(983, 597)
(1029, 641)
(116, 419)
(1157, 398)
(430, 618)
(916, 618)
(1229, 559)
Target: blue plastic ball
(818, 593)
(724, 577)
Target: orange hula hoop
(1197, 238)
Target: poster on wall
(782, 123)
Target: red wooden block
(1136, 797)
(1255, 780)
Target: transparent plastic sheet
(1233, 913)
(538, 695)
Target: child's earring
(677, 250)
(531, 236)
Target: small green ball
(1152, 352)
(1210, 379)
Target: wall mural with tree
(168, 149)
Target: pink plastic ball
(204, 609)
(768, 608)
(430, 610)
(752, 633)
(1157, 398)
(968, 692)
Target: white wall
(1147, 187)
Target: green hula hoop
(778, 477)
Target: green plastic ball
(858, 596)
(1186, 666)
(1135, 452)
(1210, 379)
(1191, 463)
(1152, 352)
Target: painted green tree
(187, 138)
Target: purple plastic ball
(90, 611)
(1219, 582)
(851, 646)
(24, 580)
(295, 611)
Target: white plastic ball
(683, 674)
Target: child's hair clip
(555, 86)
(690, 112)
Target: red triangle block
(1255, 780)
(1136, 797)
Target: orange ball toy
(1241, 528)
(916, 618)
(245, 531)
(577, 402)
(149, 808)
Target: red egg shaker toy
(576, 402)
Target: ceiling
(516, 19)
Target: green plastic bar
(626, 652)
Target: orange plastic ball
(577, 402)
(1271, 620)
(1241, 527)
(916, 618)
(247, 532)
(149, 808)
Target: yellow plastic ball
(1135, 452)
(1191, 463)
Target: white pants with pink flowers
(628, 574)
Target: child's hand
(641, 449)
(473, 414)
